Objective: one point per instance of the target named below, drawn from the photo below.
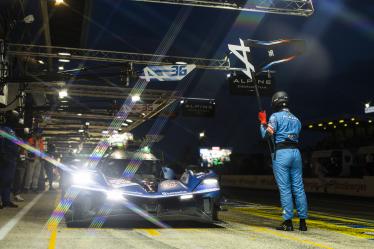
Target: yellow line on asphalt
(356, 232)
(320, 215)
(52, 240)
(289, 237)
(53, 229)
(152, 232)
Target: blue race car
(126, 181)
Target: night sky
(332, 78)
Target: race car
(125, 182)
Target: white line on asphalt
(10, 224)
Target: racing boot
(285, 226)
(302, 226)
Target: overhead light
(353, 119)
(63, 93)
(320, 125)
(64, 54)
(334, 126)
(341, 121)
(135, 98)
(105, 132)
(129, 121)
(59, 2)
(79, 114)
(60, 68)
(64, 60)
(87, 123)
(182, 101)
(41, 62)
(125, 124)
(367, 105)
(81, 131)
(331, 123)
(357, 123)
(202, 134)
(345, 125)
(181, 63)
(64, 101)
(143, 114)
(228, 75)
(370, 121)
(120, 129)
(310, 126)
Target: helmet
(11, 118)
(279, 100)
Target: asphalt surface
(335, 222)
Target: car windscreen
(115, 167)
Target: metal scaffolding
(39, 51)
(285, 7)
(63, 125)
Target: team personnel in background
(284, 129)
(34, 166)
(9, 154)
(49, 167)
(20, 175)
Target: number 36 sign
(167, 73)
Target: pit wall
(341, 186)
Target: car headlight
(211, 182)
(82, 178)
(115, 195)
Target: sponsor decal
(167, 73)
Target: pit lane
(247, 223)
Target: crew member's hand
(262, 117)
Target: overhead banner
(198, 108)
(241, 84)
(167, 73)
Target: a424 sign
(167, 73)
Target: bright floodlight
(60, 68)
(59, 2)
(202, 134)
(115, 195)
(63, 93)
(367, 105)
(135, 98)
(29, 19)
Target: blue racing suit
(287, 164)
